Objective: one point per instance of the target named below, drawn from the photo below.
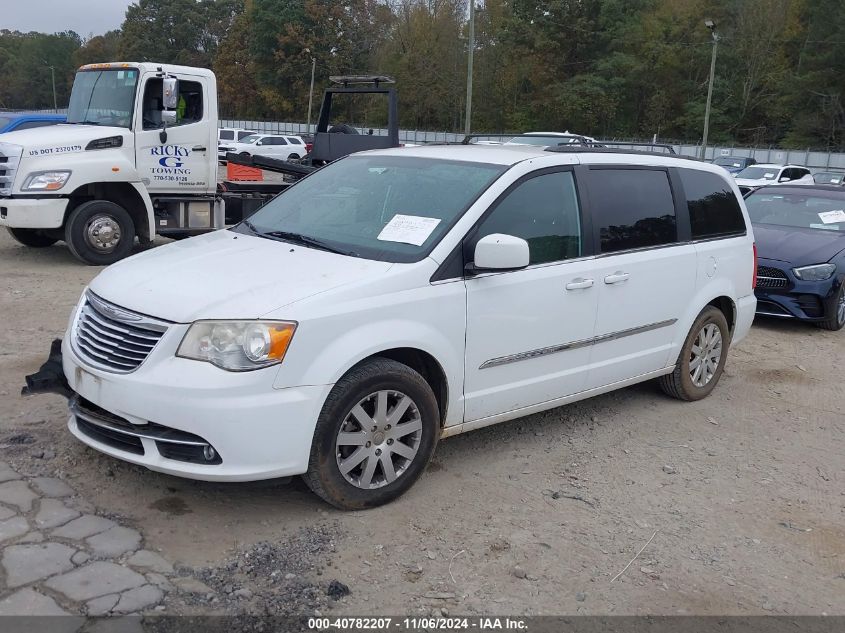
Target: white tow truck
(137, 157)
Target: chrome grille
(770, 277)
(10, 156)
(112, 338)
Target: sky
(86, 17)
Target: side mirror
(169, 92)
(168, 117)
(501, 252)
(259, 143)
(784, 179)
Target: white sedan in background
(273, 145)
(759, 175)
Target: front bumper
(163, 415)
(796, 299)
(32, 213)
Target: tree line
(605, 68)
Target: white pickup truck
(137, 157)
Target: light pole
(468, 116)
(311, 92)
(53, 77)
(710, 24)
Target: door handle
(197, 148)
(616, 278)
(578, 283)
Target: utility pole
(53, 77)
(468, 116)
(311, 92)
(710, 24)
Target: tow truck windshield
(103, 97)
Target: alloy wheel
(706, 354)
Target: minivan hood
(799, 247)
(226, 275)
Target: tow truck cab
(137, 156)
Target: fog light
(209, 453)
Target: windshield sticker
(832, 217)
(835, 181)
(826, 227)
(769, 174)
(408, 229)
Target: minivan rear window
(632, 208)
(714, 210)
(227, 135)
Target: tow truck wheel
(99, 232)
(31, 237)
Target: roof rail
(596, 148)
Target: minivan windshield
(103, 97)
(387, 208)
(759, 173)
(799, 210)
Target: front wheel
(836, 321)
(374, 437)
(100, 232)
(31, 237)
(702, 359)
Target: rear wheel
(293, 156)
(836, 321)
(702, 359)
(100, 232)
(31, 237)
(374, 437)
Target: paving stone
(32, 537)
(146, 559)
(52, 487)
(94, 580)
(102, 605)
(27, 601)
(192, 585)
(114, 541)
(83, 527)
(25, 563)
(138, 599)
(18, 494)
(10, 528)
(6, 472)
(54, 513)
(80, 558)
(160, 581)
(6, 513)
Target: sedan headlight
(45, 180)
(238, 345)
(816, 272)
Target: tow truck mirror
(169, 93)
(168, 117)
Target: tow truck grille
(9, 158)
(112, 338)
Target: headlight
(237, 345)
(45, 180)
(816, 272)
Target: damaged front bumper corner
(51, 377)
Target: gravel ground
(738, 499)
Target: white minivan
(401, 296)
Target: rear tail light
(754, 276)
(309, 147)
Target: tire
(293, 156)
(31, 237)
(836, 321)
(680, 383)
(363, 387)
(94, 249)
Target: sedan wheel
(706, 355)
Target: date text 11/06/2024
(417, 624)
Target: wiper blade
(305, 240)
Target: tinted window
(544, 212)
(278, 140)
(227, 135)
(244, 133)
(713, 207)
(294, 141)
(632, 208)
(188, 109)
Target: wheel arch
(728, 307)
(131, 196)
(424, 364)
